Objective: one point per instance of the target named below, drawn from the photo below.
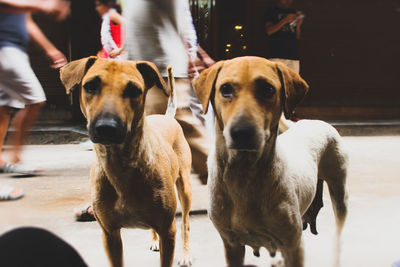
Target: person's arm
(58, 8)
(207, 60)
(56, 56)
(298, 28)
(188, 33)
(272, 28)
(189, 38)
(22, 6)
(116, 17)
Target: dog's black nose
(107, 130)
(243, 136)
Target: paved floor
(371, 235)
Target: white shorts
(19, 85)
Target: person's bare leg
(5, 113)
(23, 122)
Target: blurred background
(349, 51)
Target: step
(367, 128)
(54, 134)
(74, 133)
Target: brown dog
(262, 185)
(139, 159)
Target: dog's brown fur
(262, 185)
(139, 159)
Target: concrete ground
(370, 238)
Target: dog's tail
(172, 101)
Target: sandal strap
(19, 168)
(6, 193)
(85, 215)
(8, 168)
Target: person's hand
(290, 17)
(58, 8)
(208, 61)
(115, 53)
(194, 69)
(57, 59)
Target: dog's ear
(71, 75)
(204, 84)
(294, 88)
(151, 76)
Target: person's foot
(19, 168)
(85, 215)
(10, 193)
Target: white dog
(263, 185)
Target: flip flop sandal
(10, 193)
(85, 215)
(19, 168)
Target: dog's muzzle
(107, 129)
(243, 137)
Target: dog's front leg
(167, 245)
(113, 246)
(155, 245)
(234, 253)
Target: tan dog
(139, 159)
(261, 184)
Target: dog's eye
(265, 90)
(226, 90)
(93, 86)
(132, 91)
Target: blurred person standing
(161, 31)
(19, 87)
(283, 27)
(111, 29)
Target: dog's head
(248, 95)
(112, 94)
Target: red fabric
(116, 33)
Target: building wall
(349, 53)
(205, 19)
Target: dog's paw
(155, 246)
(277, 261)
(186, 261)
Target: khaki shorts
(19, 85)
